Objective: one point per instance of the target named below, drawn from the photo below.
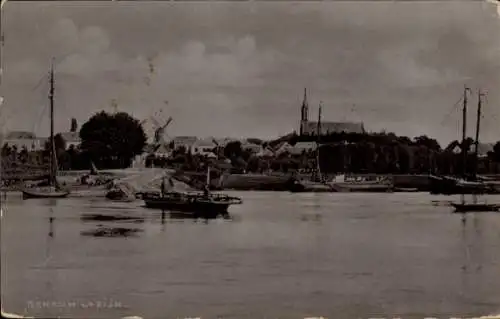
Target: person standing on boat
(163, 187)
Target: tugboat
(195, 204)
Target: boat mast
(478, 122)
(52, 144)
(208, 175)
(318, 167)
(464, 131)
(1, 97)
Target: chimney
(73, 125)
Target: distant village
(366, 152)
(161, 147)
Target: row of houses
(29, 140)
(207, 147)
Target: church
(311, 127)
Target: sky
(239, 69)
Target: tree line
(111, 141)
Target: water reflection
(311, 217)
(178, 215)
(341, 252)
(111, 230)
(472, 243)
(105, 231)
(108, 217)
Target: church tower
(304, 114)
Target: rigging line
(42, 113)
(57, 61)
(40, 81)
(451, 111)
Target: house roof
(20, 135)
(265, 152)
(162, 148)
(302, 146)
(250, 146)
(306, 145)
(205, 142)
(185, 139)
(222, 141)
(71, 136)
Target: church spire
(304, 114)
(305, 104)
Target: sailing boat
(475, 206)
(193, 205)
(53, 190)
(316, 184)
(449, 185)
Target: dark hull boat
(44, 193)
(464, 207)
(446, 185)
(472, 184)
(194, 205)
(305, 186)
(362, 188)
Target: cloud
(235, 65)
(404, 69)
(237, 62)
(83, 52)
(198, 78)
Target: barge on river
(202, 205)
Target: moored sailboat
(464, 184)
(53, 189)
(317, 183)
(476, 184)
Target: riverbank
(272, 181)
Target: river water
(281, 255)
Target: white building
(250, 147)
(21, 139)
(301, 147)
(71, 139)
(203, 147)
(284, 147)
(163, 151)
(265, 153)
(184, 141)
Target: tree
(59, 143)
(6, 150)
(112, 140)
(428, 142)
(496, 151)
(233, 149)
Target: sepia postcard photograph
(250, 159)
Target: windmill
(159, 127)
(159, 137)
